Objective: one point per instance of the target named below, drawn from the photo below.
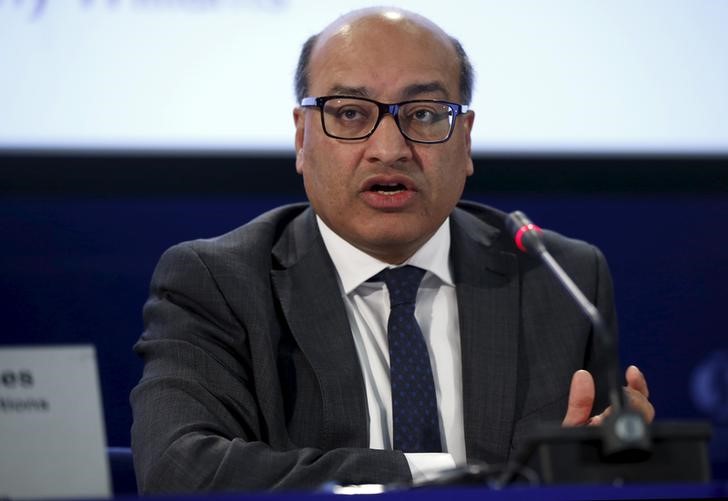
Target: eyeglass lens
(350, 118)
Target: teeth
(381, 192)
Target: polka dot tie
(414, 404)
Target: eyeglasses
(421, 121)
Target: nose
(387, 145)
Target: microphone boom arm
(624, 431)
(601, 331)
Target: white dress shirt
(367, 308)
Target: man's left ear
(299, 161)
(467, 124)
(299, 121)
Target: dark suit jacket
(251, 377)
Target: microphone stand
(624, 438)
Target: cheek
(329, 160)
(326, 173)
(447, 171)
(460, 157)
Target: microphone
(624, 430)
(526, 234)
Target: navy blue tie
(414, 403)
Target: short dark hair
(467, 75)
(301, 80)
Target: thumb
(581, 399)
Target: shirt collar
(356, 267)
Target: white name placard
(51, 424)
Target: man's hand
(581, 398)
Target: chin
(401, 240)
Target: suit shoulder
(251, 242)
(560, 245)
(493, 220)
(484, 213)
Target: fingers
(637, 393)
(636, 380)
(581, 399)
(582, 394)
(599, 418)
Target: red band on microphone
(521, 231)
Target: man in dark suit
(266, 355)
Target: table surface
(714, 490)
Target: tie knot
(402, 283)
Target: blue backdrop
(75, 269)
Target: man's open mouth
(388, 189)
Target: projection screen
(216, 75)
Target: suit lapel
(487, 288)
(312, 305)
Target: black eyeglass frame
(384, 108)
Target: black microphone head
(526, 234)
(515, 221)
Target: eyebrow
(415, 90)
(410, 92)
(341, 90)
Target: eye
(351, 114)
(427, 114)
(423, 115)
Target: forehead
(385, 58)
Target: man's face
(389, 60)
